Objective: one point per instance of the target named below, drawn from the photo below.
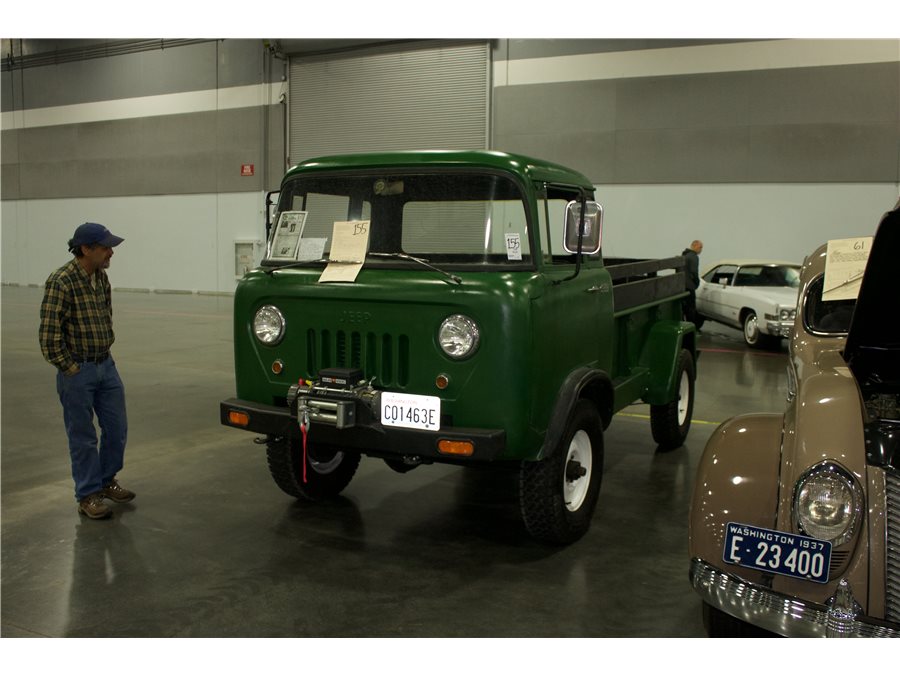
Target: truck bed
(638, 282)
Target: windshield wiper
(397, 256)
(422, 261)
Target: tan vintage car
(795, 518)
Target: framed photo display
(286, 238)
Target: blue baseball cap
(94, 233)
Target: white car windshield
(770, 276)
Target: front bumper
(783, 614)
(369, 438)
(780, 328)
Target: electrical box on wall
(246, 256)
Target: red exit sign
(246, 169)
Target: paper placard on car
(845, 264)
(349, 245)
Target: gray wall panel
(531, 49)
(694, 101)
(837, 94)
(681, 155)
(847, 153)
(836, 123)
(586, 106)
(196, 67)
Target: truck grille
(892, 571)
(379, 355)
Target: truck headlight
(828, 503)
(268, 325)
(458, 336)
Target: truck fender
(737, 481)
(589, 383)
(660, 357)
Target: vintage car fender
(736, 481)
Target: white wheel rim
(574, 491)
(751, 329)
(684, 397)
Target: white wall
(784, 222)
(180, 242)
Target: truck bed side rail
(638, 282)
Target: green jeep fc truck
(453, 307)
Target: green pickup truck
(453, 307)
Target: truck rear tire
(328, 469)
(671, 422)
(558, 494)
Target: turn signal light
(448, 447)
(240, 419)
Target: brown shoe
(117, 493)
(93, 507)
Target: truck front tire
(328, 470)
(558, 494)
(671, 422)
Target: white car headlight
(787, 314)
(828, 503)
(268, 325)
(459, 336)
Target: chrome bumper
(783, 614)
(780, 328)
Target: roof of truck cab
(528, 168)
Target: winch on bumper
(341, 409)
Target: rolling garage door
(413, 96)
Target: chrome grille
(892, 571)
(380, 355)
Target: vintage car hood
(872, 349)
(873, 343)
(782, 296)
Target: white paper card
(349, 245)
(513, 246)
(286, 239)
(845, 264)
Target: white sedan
(757, 297)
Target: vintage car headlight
(787, 314)
(828, 503)
(458, 336)
(268, 325)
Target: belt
(91, 359)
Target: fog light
(237, 418)
(463, 448)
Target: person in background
(692, 281)
(76, 335)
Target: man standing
(76, 335)
(692, 281)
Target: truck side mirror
(593, 224)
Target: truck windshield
(453, 220)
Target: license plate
(410, 411)
(792, 555)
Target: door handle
(601, 287)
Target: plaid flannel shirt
(76, 318)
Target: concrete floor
(211, 547)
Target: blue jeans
(96, 388)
